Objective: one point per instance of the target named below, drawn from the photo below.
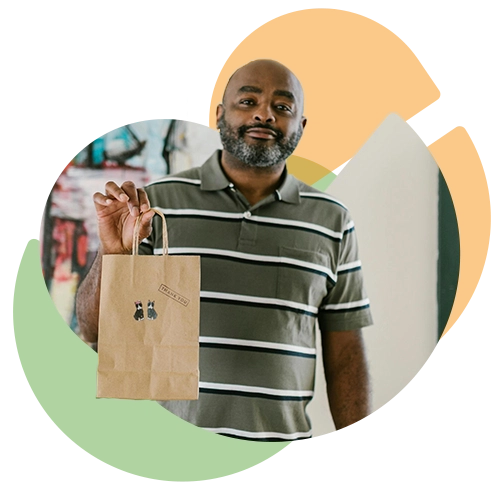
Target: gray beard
(257, 155)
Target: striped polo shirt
(268, 272)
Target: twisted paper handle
(135, 244)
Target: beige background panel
(391, 189)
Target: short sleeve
(346, 305)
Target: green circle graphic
(139, 437)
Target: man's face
(261, 120)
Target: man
(276, 255)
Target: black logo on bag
(139, 312)
(152, 314)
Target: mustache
(242, 130)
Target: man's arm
(87, 301)
(347, 378)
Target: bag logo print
(173, 295)
(139, 312)
(152, 314)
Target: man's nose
(264, 113)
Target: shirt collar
(212, 175)
(214, 179)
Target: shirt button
(247, 215)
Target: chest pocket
(303, 276)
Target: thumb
(146, 224)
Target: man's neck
(255, 183)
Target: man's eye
(282, 107)
(246, 101)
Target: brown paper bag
(148, 344)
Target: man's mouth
(261, 133)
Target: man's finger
(114, 191)
(130, 190)
(143, 200)
(100, 199)
(147, 218)
(146, 224)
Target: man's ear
(219, 112)
(303, 120)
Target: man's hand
(117, 211)
(347, 378)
